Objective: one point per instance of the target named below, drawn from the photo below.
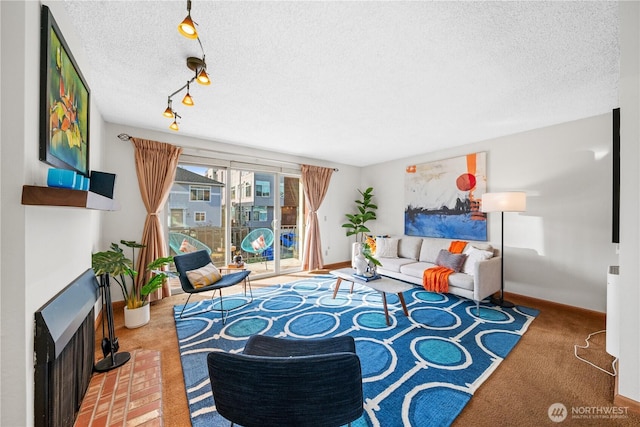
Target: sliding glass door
(266, 220)
(231, 212)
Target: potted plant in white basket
(114, 263)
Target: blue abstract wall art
(442, 198)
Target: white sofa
(478, 278)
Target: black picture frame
(64, 102)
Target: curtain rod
(127, 137)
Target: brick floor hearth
(128, 396)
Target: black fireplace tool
(112, 359)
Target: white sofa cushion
(461, 280)
(409, 247)
(386, 247)
(474, 255)
(431, 248)
(416, 269)
(394, 264)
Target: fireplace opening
(64, 349)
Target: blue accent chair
(194, 260)
(257, 242)
(175, 241)
(288, 382)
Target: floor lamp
(511, 201)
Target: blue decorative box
(61, 178)
(82, 183)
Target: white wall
(629, 379)
(43, 248)
(558, 250)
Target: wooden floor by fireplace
(130, 395)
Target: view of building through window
(230, 212)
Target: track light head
(187, 100)
(203, 77)
(169, 111)
(187, 27)
(174, 125)
(198, 66)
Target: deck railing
(213, 237)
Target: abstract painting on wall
(64, 102)
(442, 198)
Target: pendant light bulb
(174, 126)
(203, 78)
(187, 28)
(168, 113)
(187, 100)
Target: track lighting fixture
(196, 65)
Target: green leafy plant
(366, 252)
(366, 212)
(117, 265)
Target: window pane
(200, 193)
(195, 207)
(263, 188)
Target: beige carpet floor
(540, 371)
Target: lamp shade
(203, 77)
(510, 201)
(187, 28)
(187, 100)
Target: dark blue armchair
(286, 382)
(194, 260)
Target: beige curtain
(156, 164)
(315, 181)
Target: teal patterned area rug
(422, 370)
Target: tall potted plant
(356, 225)
(114, 263)
(366, 212)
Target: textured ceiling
(353, 82)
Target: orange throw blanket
(436, 279)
